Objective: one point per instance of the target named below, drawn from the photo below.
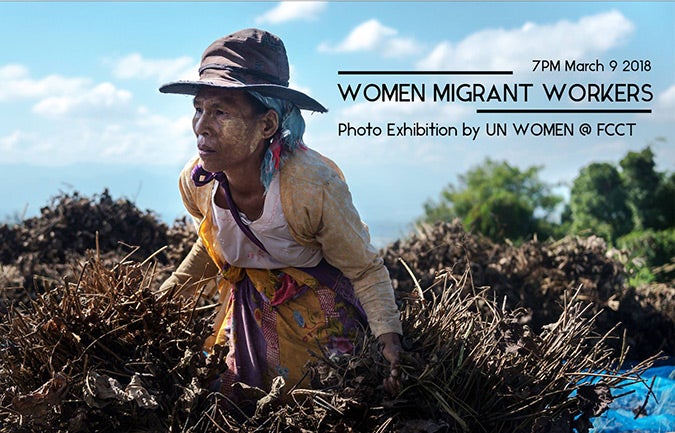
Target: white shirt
(271, 229)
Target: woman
(295, 267)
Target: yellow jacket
(319, 210)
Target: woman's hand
(391, 350)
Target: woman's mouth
(205, 151)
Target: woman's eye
(198, 110)
(220, 112)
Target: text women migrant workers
(506, 92)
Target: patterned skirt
(275, 319)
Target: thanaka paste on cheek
(228, 133)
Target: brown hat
(250, 59)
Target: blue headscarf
(286, 140)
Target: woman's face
(229, 130)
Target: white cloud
(75, 120)
(135, 66)
(514, 49)
(101, 99)
(150, 140)
(12, 141)
(58, 96)
(367, 36)
(16, 83)
(666, 103)
(24, 147)
(13, 72)
(668, 97)
(292, 10)
(374, 36)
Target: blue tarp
(660, 411)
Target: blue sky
(81, 111)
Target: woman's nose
(201, 125)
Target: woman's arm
(319, 210)
(196, 270)
(345, 243)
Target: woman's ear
(270, 123)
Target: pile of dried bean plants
(107, 354)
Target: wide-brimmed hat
(250, 59)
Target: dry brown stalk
(110, 325)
